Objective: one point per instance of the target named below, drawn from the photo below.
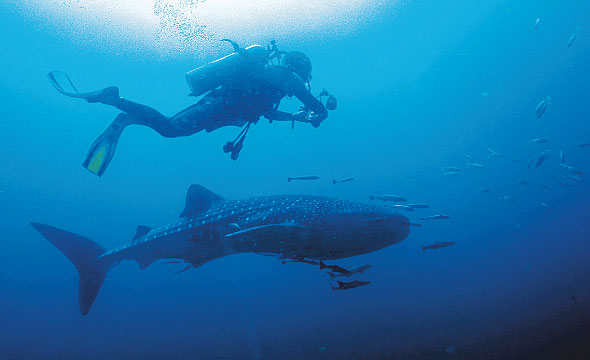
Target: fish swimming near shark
(342, 181)
(355, 270)
(350, 285)
(394, 198)
(438, 245)
(303, 178)
(290, 226)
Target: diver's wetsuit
(232, 105)
(236, 103)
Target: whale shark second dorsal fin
(198, 200)
(141, 231)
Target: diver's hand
(301, 116)
(315, 120)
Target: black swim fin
(62, 83)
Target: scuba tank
(215, 73)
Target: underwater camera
(331, 102)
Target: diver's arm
(276, 115)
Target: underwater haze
(478, 109)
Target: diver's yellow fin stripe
(97, 160)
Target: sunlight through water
(183, 25)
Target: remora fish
(438, 245)
(309, 227)
(419, 206)
(355, 270)
(303, 178)
(403, 207)
(388, 198)
(334, 182)
(334, 268)
(350, 285)
(435, 217)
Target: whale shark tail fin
(84, 255)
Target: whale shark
(210, 227)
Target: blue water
(419, 85)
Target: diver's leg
(102, 150)
(140, 114)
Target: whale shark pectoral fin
(198, 200)
(266, 228)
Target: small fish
(537, 22)
(542, 204)
(303, 178)
(571, 40)
(476, 166)
(416, 225)
(388, 198)
(334, 182)
(350, 285)
(403, 207)
(522, 182)
(584, 144)
(538, 141)
(435, 217)
(507, 198)
(451, 173)
(573, 170)
(471, 164)
(494, 155)
(542, 185)
(483, 190)
(542, 157)
(301, 260)
(418, 206)
(562, 158)
(334, 268)
(451, 169)
(542, 107)
(574, 178)
(438, 245)
(355, 270)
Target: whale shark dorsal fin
(141, 231)
(198, 200)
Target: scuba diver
(239, 88)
